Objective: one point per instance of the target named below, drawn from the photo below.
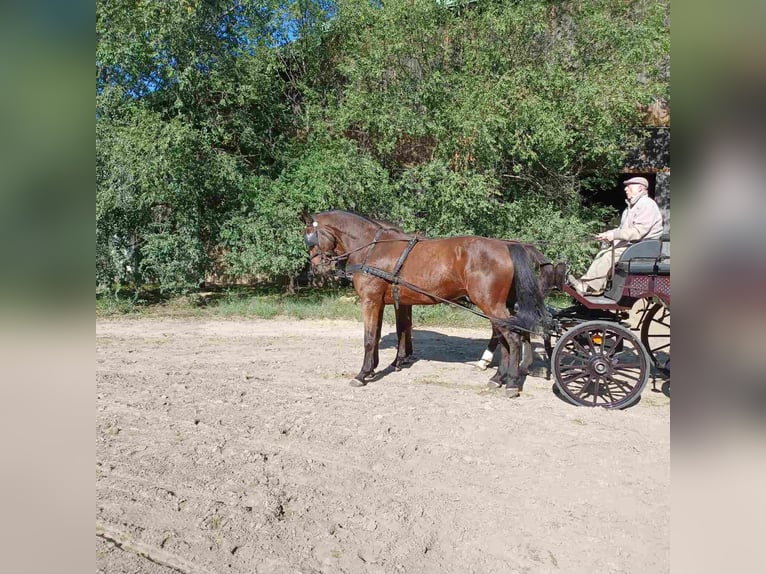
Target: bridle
(312, 240)
(326, 258)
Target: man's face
(633, 189)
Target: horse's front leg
(403, 337)
(408, 351)
(372, 312)
(376, 347)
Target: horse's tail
(531, 311)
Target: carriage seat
(648, 257)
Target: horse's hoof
(512, 392)
(494, 385)
(356, 383)
(369, 376)
(399, 364)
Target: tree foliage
(217, 122)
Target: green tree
(218, 122)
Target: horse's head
(552, 277)
(322, 246)
(560, 275)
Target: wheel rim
(655, 335)
(600, 364)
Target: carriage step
(592, 301)
(599, 300)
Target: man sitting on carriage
(641, 220)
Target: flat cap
(639, 180)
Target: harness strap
(403, 256)
(398, 268)
(374, 271)
(372, 245)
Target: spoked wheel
(655, 335)
(600, 364)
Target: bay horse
(490, 272)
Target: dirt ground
(238, 446)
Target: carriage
(599, 359)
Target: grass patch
(270, 303)
(107, 305)
(558, 300)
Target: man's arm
(646, 215)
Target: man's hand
(605, 236)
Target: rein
(370, 246)
(334, 258)
(312, 239)
(396, 280)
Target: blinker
(311, 239)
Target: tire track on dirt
(156, 555)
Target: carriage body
(599, 358)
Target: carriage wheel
(600, 364)
(655, 335)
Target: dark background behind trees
(217, 122)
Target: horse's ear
(306, 216)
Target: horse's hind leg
(549, 354)
(403, 337)
(502, 375)
(499, 378)
(514, 377)
(526, 356)
(489, 353)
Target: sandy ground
(238, 446)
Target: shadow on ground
(433, 346)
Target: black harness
(393, 277)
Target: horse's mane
(377, 222)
